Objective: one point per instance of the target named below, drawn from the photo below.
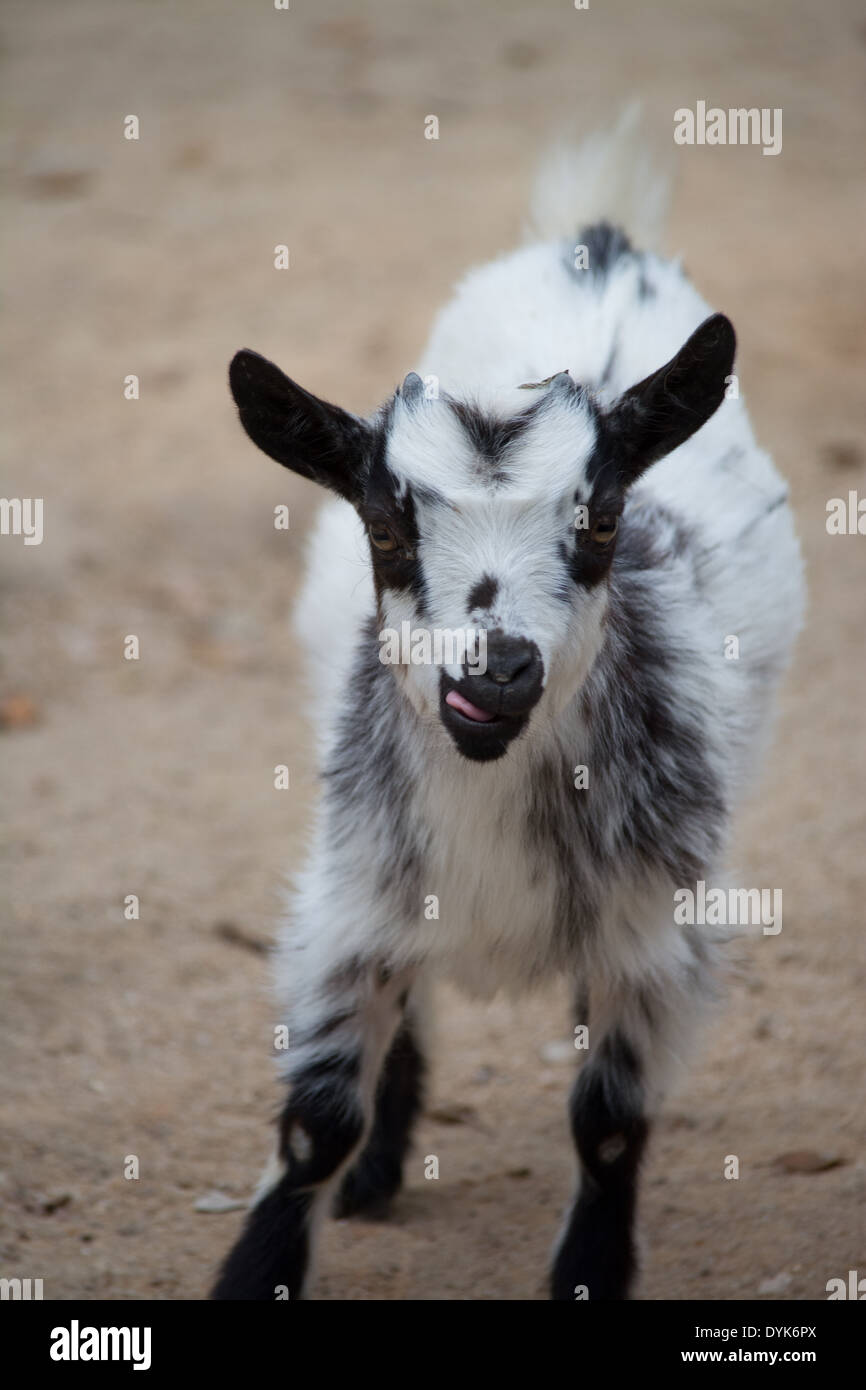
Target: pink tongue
(481, 716)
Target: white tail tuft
(611, 176)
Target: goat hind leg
(377, 1175)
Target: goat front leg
(345, 1027)
(636, 1032)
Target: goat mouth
(474, 714)
(480, 735)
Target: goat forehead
(493, 550)
(508, 520)
(453, 448)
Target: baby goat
(573, 476)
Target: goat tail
(611, 176)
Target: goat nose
(515, 671)
(508, 657)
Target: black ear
(665, 409)
(317, 440)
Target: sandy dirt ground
(152, 1037)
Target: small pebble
(807, 1161)
(215, 1202)
(55, 1201)
(455, 1114)
(778, 1283)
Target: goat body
(536, 820)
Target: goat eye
(604, 530)
(383, 538)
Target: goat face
(471, 518)
(499, 525)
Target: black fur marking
(588, 561)
(329, 1025)
(491, 437)
(272, 1249)
(581, 1003)
(369, 1186)
(610, 1132)
(334, 1069)
(327, 1112)
(384, 502)
(605, 245)
(602, 466)
(483, 594)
